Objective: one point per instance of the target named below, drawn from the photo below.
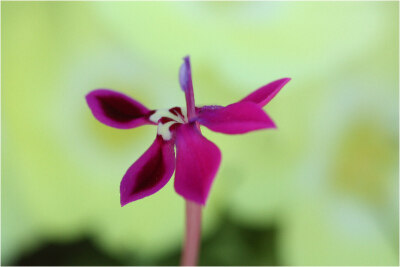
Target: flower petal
(197, 163)
(185, 76)
(117, 110)
(185, 80)
(149, 173)
(236, 118)
(263, 95)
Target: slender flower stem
(190, 251)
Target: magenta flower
(197, 159)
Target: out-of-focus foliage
(326, 180)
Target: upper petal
(236, 118)
(264, 94)
(185, 75)
(197, 163)
(149, 173)
(117, 110)
(185, 80)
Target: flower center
(167, 118)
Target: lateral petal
(149, 173)
(197, 163)
(237, 118)
(264, 94)
(117, 110)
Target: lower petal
(197, 163)
(149, 173)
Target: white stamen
(165, 113)
(184, 113)
(164, 131)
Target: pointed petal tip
(281, 82)
(286, 80)
(237, 118)
(271, 123)
(263, 95)
(123, 200)
(123, 203)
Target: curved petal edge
(117, 110)
(237, 118)
(149, 173)
(266, 93)
(197, 163)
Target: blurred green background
(322, 189)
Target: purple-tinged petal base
(237, 118)
(197, 163)
(149, 173)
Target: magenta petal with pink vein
(197, 163)
(197, 160)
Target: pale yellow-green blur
(327, 178)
